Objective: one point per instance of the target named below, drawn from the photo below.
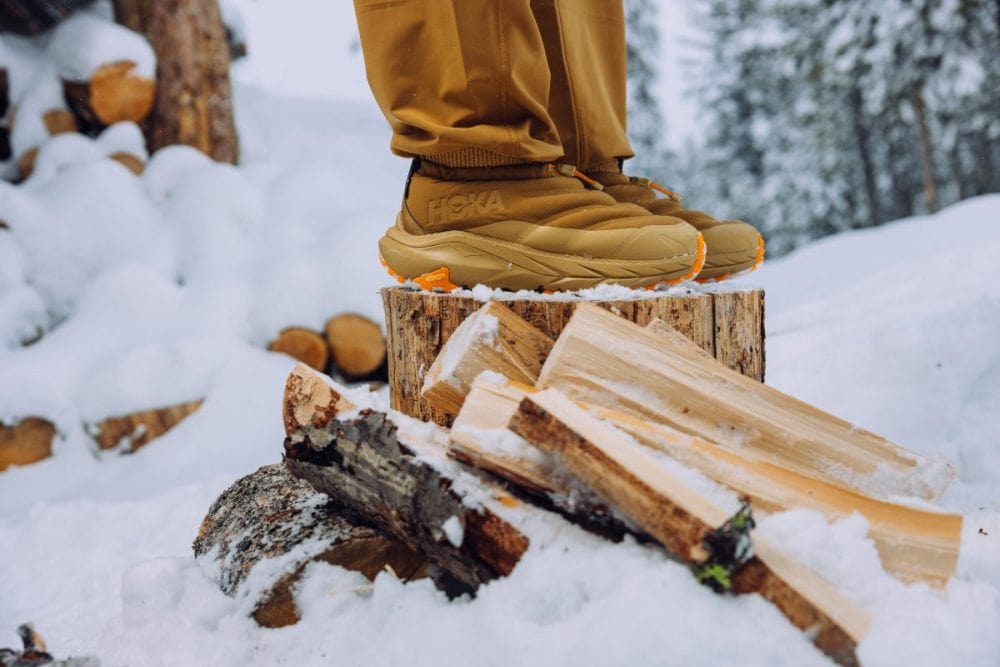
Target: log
(28, 441)
(113, 93)
(128, 433)
(303, 345)
(684, 519)
(419, 323)
(193, 104)
(388, 479)
(56, 121)
(357, 345)
(271, 514)
(493, 338)
(35, 653)
(606, 361)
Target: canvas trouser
(476, 83)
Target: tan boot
(531, 227)
(733, 246)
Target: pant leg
(585, 48)
(462, 82)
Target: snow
(164, 288)
(85, 42)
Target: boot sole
(452, 260)
(732, 264)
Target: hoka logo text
(460, 207)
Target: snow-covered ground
(164, 288)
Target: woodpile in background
(351, 346)
(611, 419)
(28, 441)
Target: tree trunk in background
(926, 150)
(194, 97)
(863, 135)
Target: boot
(530, 227)
(733, 246)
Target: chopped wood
(913, 544)
(28, 441)
(114, 93)
(606, 361)
(493, 338)
(681, 517)
(367, 466)
(26, 163)
(420, 323)
(130, 161)
(59, 121)
(357, 344)
(270, 514)
(311, 400)
(129, 433)
(303, 345)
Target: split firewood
(913, 544)
(130, 161)
(692, 525)
(492, 338)
(604, 360)
(107, 71)
(26, 442)
(357, 344)
(390, 479)
(271, 515)
(303, 344)
(128, 433)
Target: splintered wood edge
(311, 399)
(444, 390)
(834, 623)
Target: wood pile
(648, 432)
(350, 345)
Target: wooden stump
(727, 325)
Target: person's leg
(460, 81)
(464, 85)
(585, 49)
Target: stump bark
(727, 325)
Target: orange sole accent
(438, 279)
(699, 263)
(758, 260)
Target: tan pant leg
(462, 82)
(585, 48)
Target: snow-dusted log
(107, 71)
(27, 441)
(357, 345)
(390, 480)
(128, 433)
(303, 345)
(493, 338)
(606, 361)
(686, 520)
(194, 97)
(728, 325)
(273, 519)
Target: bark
(271, 514)
(926, 150)
(194, 96)
(362, 465)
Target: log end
(357, 344)
(303, 345)
(116, 94)
(26, 442)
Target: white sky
(302, 48)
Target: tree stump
(729, 325)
